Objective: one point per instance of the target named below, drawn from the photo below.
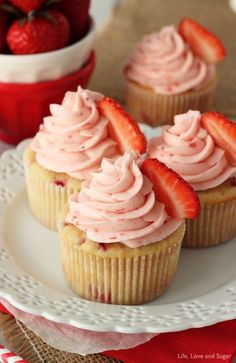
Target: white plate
(31, 279)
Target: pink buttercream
(119, 205)
(74, 139)
(188, 149)
(165, 63)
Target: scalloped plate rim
(220, 312)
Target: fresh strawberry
(41, 33)
(3, 29)
(27, 5)
(178, 196)
(122, 127)
(203, 43)
(223, 131)
(77, 12)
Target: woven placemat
(29, 346)
(133, 18)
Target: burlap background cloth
(130, 20)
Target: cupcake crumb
(61, 183)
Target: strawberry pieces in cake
(122, 127)
(223, 131)
(178, 196)
(202, 42)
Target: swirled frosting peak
(164, 62)
(119, 205)
(74, 138)
(188, 149)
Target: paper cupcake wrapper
(45, 198)
(113, 280)
(215, 225)
(146, 106)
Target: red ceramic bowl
(23, 106)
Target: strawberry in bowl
(42, 56)
(76, 12)
(38, 34)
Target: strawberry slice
(223, 131)
(122, 127)
(178, 196)
(202, 42)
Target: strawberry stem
(21, 21)
(31, 15)
(52, 2)
(47, 16)
(11, 9)
(34, 14)
(27, 18)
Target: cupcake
(172, 71)
(201, 149)
(121, 234)
(70, 144)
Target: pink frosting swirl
(74, 138)
(188, 149)
(165, 63)
(119, 205)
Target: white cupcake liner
(134, 279)
(147, 106)
(214, 226)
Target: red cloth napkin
(4, 310)
(213, 344)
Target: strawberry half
(223, 131)
(122, 127)
(178, 196)
(203, 43)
